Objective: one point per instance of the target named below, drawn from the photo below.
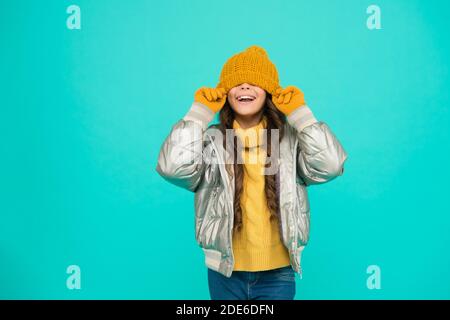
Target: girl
(252, 217)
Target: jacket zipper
(228, 185)
(294, 164)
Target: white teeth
(240, 98)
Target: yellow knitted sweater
(257, 246)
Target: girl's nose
(244, 86)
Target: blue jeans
(276, 284)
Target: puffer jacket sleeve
(180, 159)
(320, 155)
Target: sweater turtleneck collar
(253, 136)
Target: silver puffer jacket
(310, 156)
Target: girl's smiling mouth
(245, 98)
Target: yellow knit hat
(252, 66)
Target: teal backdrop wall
(84, 112)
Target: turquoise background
(84, 113)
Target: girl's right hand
(213, 98)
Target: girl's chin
(246, 113)
(246, 110)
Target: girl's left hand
(288, 99)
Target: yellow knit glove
(288, 99)
(213, 98)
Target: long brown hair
(275, 120)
